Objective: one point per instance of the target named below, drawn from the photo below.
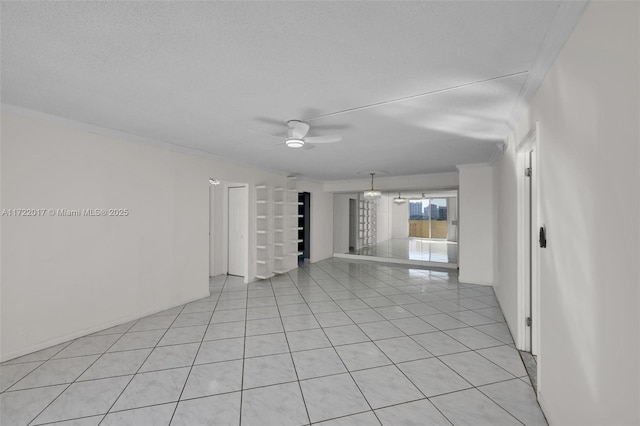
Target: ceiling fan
(296, 136)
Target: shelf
(261, 216)
(278, 244)
(261, 186)
(261, 232)
(261, 247)
(278, 257)
(264, 277)
(261, 262)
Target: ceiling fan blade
(308, 146)
(268, 120)
(323, 139)
(266, 134)
(298, 129)
(330, 127)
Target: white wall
(588, 112)
(341, 222)
(400, 220)
(383, 218)
(88, 273)
(217, 265)
(396, 183)
(476, 239)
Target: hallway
(340, 342)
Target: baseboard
(71, 336)
(543, 406)
(463, 280)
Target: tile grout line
(197, 351)
(343, 363)
(84, 371)
(35, 368)
(438, 357)
(411, 381)
(295, 369)
(244, 353)
(138, 370)
(355, 285)
(401, 371)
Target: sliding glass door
(428, 218)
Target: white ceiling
(212, 75)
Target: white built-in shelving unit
(277, 229)
(367, 222)
(285, 222)
(264, 233)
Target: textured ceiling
(213, 75)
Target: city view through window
(428, 218)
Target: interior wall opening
(413, 227)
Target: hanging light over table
(372, 194)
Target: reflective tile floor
(336, 343)
(413, 249)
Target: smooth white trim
(566, 19)
(433, 181)
(462, 280)
(472, 166)
(529, 143)
(62, 339)
(129, 137)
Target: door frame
(225, 227)
(354, 211)
(528, 197)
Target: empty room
(319, 212)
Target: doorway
(304, 226)
(528, 225)
(237, 229)
(353, 225)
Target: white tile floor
(336, 343)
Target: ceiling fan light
(295, 143)
(372, 194)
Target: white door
(533, 255)
(237, 246)
(531, 252)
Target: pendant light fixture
(372, 194)
(399, 200)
